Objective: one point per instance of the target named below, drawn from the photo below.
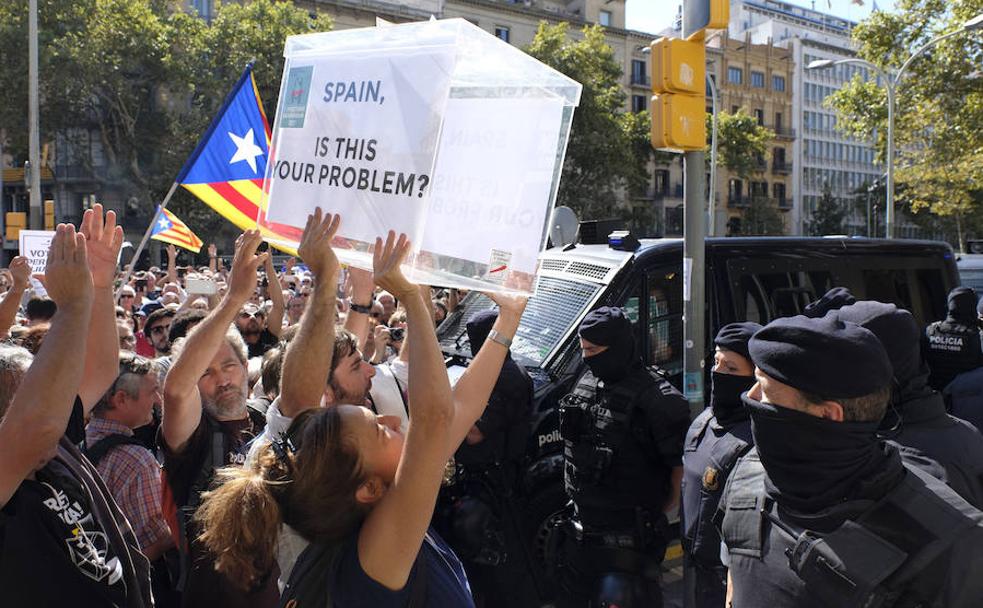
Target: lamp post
(712, 204)
(891, 84)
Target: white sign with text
(34, 246)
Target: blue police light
(623, 240)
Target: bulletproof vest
(950, 349)
(607, 446)
(709, 455)
(886, 555)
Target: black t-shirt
(57, 550)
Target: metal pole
(889, 212)
(143, 241)
(712, 204)
(36, 215)
(694, 289)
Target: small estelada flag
(170, 229)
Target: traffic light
(699, 15)
(49, 215)
(679, 103)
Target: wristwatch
(505, 341)
(360, 308)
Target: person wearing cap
(623, 428)
(952, 345)
(821, 512)
(916, 417)
(964, 395)
(716, 439)
(834, 299)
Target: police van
(747, 279)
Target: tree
(147, 78)
(741, 142)
(608, 149)
(939, 105)
(828, 216)
(761, 218)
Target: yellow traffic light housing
(679, 122)
(678, 66)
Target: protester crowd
(246, 435)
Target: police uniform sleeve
(964, 584)
(668, 417)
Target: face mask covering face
(725, 396)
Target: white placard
(494, 172)
(357, 134)
(34, 246)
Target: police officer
(952, 346)
(964, 395)
(623, 429)
(916, 417)
(822, 513)
(477, 511)
(716, 439)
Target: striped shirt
(133, 477)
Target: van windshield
(557, 305)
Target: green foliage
(761, 218)
(608, 149)
(939, 107)
(741, 141)
(147, 77)
(829, 215)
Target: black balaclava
(726, 389)
(479, 327)
(608, 326)
(814, 463)
(962, 306)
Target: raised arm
(212, 257)
(182, 401)
(39, 411)
(20, 271)
(103, 242)
(307, 361)
(274, 323)
(172, 264)
(362, 287)
(393, 532)
(473, 389)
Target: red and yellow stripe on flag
(170, 229)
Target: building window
(779, 190)
(709, 90)
(637, 103)
(778, 83)
(735, 109)
(757, 80)
(605, 18)
(638, 75)
(759, 114)
(502, 32)
(735, 75)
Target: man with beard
(262, 334)
(716, 439)
(206, 425)
(822, 513)
(157, 328)
(623, 429)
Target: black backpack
(98, 450)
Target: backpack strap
(98, 450)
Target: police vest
(950, 349)
(887, 556)
(710, 454)
(608, 449)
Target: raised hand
(20, 271)
(509, 303)
(171, 252)
(212, 250)
(291, 262)
(67, 277)
(242, 277)
(104, 240)
(315, 244)
(386, 261)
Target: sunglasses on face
(252, 315)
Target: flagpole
(143, 242)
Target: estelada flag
(170, 229)
(226, 170)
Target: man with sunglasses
(157, 330)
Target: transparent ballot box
(436, 129)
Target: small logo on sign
(498, 266)
(295, 94)
(711, 479)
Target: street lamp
(892, 83)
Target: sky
(655, 15)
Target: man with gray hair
(206, 425)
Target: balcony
(784, 132)
(784, 203)
(781, 167)
(738, 202)
(640, 80)
(759, 165)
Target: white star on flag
(163, 223)
(246, 149)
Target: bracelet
(360, 308)
(505, 341)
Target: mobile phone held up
(205, 287)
